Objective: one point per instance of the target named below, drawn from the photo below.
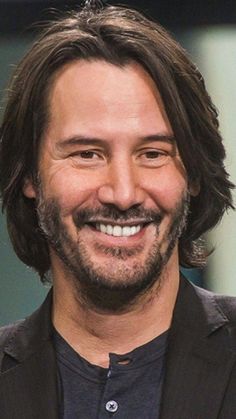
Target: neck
(94, 334)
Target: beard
(115, 286)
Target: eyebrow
(83, 140)
(167, 138)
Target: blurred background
(207, 30)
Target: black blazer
(200, 381)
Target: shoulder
(225, 303)
(37, 323)
(24, 337)
(197, 308)
(7, 332)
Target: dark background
(17, 15)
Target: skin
(134, 163)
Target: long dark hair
(117, 35)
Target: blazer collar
(198, 362)
(196, 310)
(28, 382)
(30, 334)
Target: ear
(29, 189)
(194, 188)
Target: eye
(153, 157)
(87, 158)
(88, 154)
(154, 154)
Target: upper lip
(128, 223)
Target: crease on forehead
(138, 70)
(90, 127)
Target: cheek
(167, 189)
(70, 188)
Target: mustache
(112, 213)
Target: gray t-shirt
(129, 389)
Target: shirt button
(112, 406)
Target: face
(112, 198)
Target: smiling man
(111, 171)
(111, 229)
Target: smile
(117, 230)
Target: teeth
(117, 230)
(108, 229)
(103, 228)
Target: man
(111, 171)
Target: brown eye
(153, 154)
(87, 158)
(87, 154)
(153, 157)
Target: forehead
(97, 94)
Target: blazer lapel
(28, 381)
(198, 363)
(28, 390)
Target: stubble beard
(98, 286)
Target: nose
(121, 186)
